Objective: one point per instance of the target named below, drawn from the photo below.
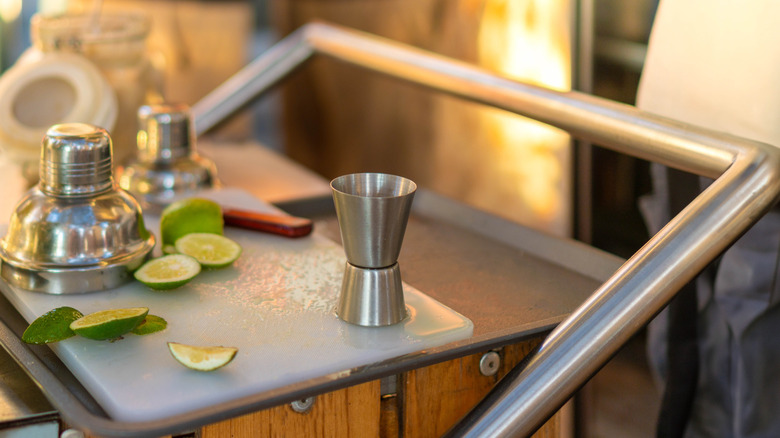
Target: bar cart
(547, 313)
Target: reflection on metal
(75, 232)
(747, 184)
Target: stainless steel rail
(747, 184)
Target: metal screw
(489, 363)
(302, 406)
(72, 433)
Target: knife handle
(283, 225)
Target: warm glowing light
(529, 40)
(52, 7)
(10, 10)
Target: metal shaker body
(166, 164)
(76, 231)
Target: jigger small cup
(372, 210)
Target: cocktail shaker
(76, 231)
(167, 164)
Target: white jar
(116, 45)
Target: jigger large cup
(372, 210)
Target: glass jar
(116, 44)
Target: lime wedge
(210, 250)
(202, 358)
(168, 272)
(52, 326)
(109, 324)
(150, 324)
(191, 215)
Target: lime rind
(190, 215)
(168, 272)
(52, 326)
(210, 250)
(109, 324)
(202, 358)
(150, 324)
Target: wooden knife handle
(289, 226)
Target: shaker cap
(76, 160)
(165, 132)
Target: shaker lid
(76, 160)
(165, 132)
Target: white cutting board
(276, 304)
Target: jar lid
(47, 90)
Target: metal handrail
(747, 184)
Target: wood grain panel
(351, 413)
(436, 397)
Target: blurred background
(336, 119)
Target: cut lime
(109, 324)
(168, 272)
(210, 250)
(52, 326)
(150, 324)
(191, 215)
(202, 358)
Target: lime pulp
(210, 250)
(202, 358)
(168, 272)
(109, 324)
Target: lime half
(202, 358)
(109, 324)
(52, 326)
(210, 250)
(168, 272)
(191, 215)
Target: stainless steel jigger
(76, 231)
(372, 210)
(167, 164)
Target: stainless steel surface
(583, 151)
(75, 161)
(167, 164)
(76, 232)
(19, 399)
(489, 363)
(373, 209)
(164, 132)
(747, 184)
(372, 297)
